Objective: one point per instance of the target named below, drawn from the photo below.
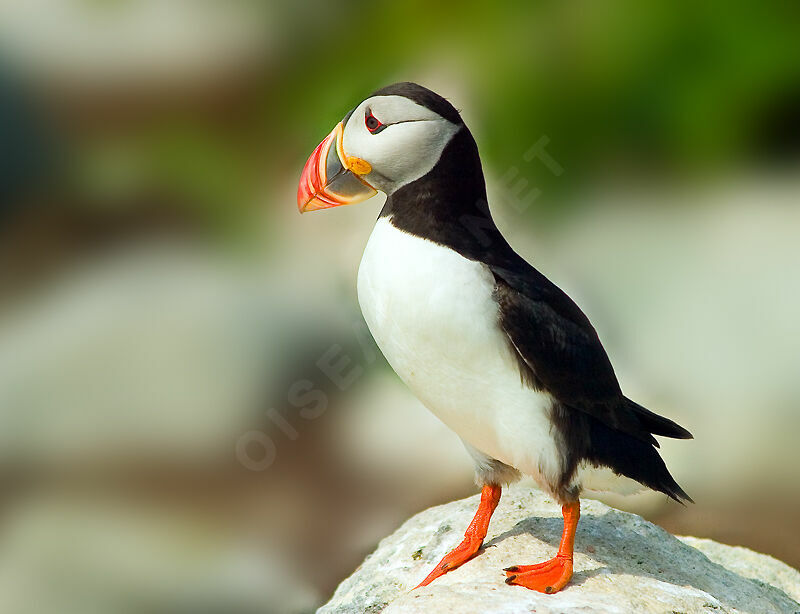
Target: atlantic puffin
(488, 344)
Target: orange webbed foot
(548, 577)
(553, 575)
(473, 537)
(455, 558)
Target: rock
(622, 564)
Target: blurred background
(192, 413)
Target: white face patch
(406, 149)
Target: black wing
(562, 353)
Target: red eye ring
(372, 123)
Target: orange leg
(553, 575)
(473, 537)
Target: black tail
(635, 458)
(658, 425)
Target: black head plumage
(422, 96)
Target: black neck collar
(449, 206)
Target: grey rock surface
(622, 564)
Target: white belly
(432, 314)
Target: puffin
(490, 345)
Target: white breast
(432, 314)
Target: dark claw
(510, 579)
(512, 568)
(548, 590)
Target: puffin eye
(373, 123)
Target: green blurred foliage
(624, 91)
(661, 87)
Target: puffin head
(389, 140)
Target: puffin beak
(330, 178)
